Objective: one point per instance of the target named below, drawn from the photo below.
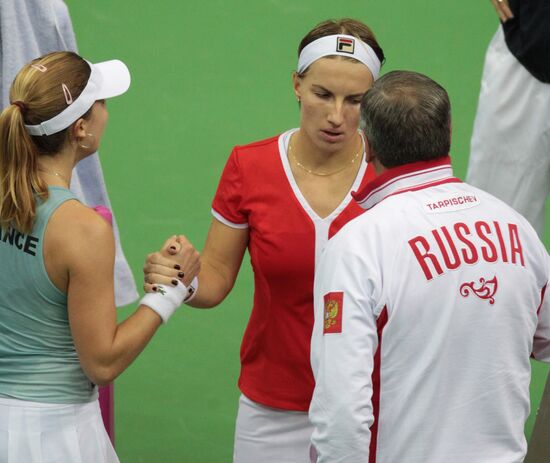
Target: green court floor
(206, 76)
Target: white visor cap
(107, 79)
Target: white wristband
(191, 290)
(165, 300)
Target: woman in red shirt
(283, 198)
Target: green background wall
(206, 76)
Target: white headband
(340, 45)
(107, 79)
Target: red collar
(408, 177)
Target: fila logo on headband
(345, 45)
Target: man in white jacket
(428, 306)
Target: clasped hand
(178, 260)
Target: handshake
(170, 276)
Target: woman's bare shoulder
(75, 225)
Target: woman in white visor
(59, 336)
(283, 198)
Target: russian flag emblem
(334, 306)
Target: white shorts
(510, 147)
(32, 432)
(271, 435)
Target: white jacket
(427, 309)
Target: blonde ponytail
(37, 95)
(19, 179)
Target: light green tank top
(38, 360)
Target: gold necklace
(57, 174)
(323, 174)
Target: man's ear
(369, 153)
(371, 158)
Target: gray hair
(406, 117)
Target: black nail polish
(175, 282)
(177, 267)
(181, 274)
(154, 288)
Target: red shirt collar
(408, 177)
